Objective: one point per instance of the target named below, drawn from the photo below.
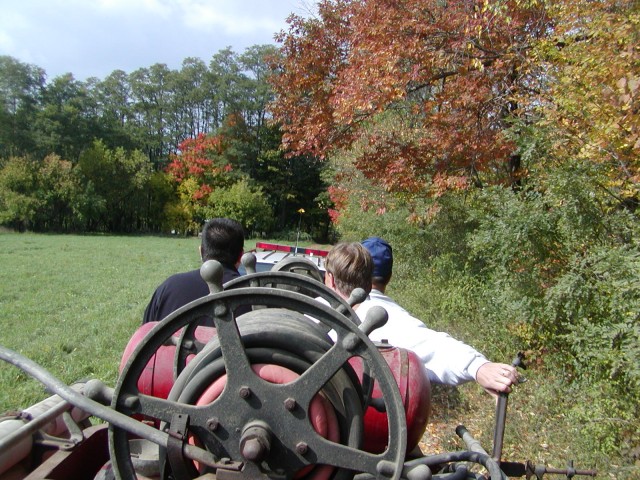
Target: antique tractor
(292, 388)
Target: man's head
(222, 240)
(382, 256)
(348, 266)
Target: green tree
(291, 183)
(152, 93)
(257, 93)
(225, 74)
(113, 99)
(161, 194)
(192, 108)
(121, 180)
(18, 201)
(21, 87)
(58, 191)
(66, 124)
(244, 203)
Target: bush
(244, 203)
(552, 269)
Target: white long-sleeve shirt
(447, 360)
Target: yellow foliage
(593, 104)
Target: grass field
(71, 303)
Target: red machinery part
(157, 378)
(408, 371)
(415, 390)
(321, 413)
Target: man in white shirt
(447, 360)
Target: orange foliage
(340, 197)
(426, 86)
(196, 160)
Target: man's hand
(497, 377)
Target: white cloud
(162, 8)
(95, 37)
(233, 18)
(6, 42)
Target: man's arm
(448, 360)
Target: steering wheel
(254, 426)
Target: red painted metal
(415, 390)
(321, 413)
(157, 377)
(410, 374)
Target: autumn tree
(424, 88)
(197, 170)
(537, 102)
(589, 111)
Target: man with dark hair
(448, 360)
(222, 240)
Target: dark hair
(222, 240)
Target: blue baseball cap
(381, 254)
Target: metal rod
(94, 408)
(501, 413)
(471, 443)
(28, 429)
(463, 456)
(498, 433)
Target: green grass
(71, 303)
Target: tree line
(94, 155)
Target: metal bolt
(220, 310)
(253, 450)
(302, 448)
(290, 404)
(213, 423)
(245, 392)
(255, 441)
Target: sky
(92, 38)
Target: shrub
(244, 203)
(552, 268)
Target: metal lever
(501, 413)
